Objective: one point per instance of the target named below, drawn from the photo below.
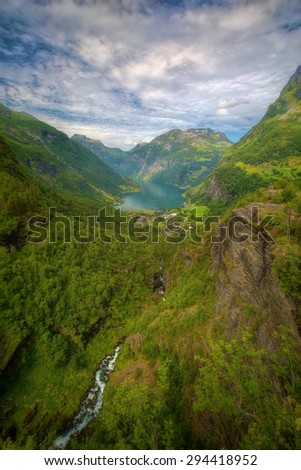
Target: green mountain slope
(269, 151)
(20, 195)
(180, 158)
(57, 161)
(114, 157)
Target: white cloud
(222, 112)
(125, 71)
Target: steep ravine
(92, 403)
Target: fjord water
(154, 195)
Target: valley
(209, 324)
(179, 158)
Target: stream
(158, 281)
(92, 403)
(162, 287)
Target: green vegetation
(180, 158)
(269, 151)
(175, 374)
(115, 158)
(40, 306)
(215, 365)
(20, 196)
(240, 389)
(58, 162)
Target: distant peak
(298, 71)
(78, 136)
(141, 144)
(296, 76)
(4, 111)
(294, 83)
(205, 130)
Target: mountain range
(180, 158)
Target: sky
(125, 71)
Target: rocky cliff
(248, 293)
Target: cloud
(127, 70)
(223, 107)
(231, 103)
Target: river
(92, 403)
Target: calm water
(154, 195)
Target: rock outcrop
(248, 293)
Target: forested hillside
(215, 365)
(58, 162)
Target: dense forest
(185, 378)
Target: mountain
(270, 151)
(57, 161)
(216, 365)
(114, 157)
(23, 195)
(180, 158)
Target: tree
(241, 388)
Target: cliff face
(214, 190)
(248, 293)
